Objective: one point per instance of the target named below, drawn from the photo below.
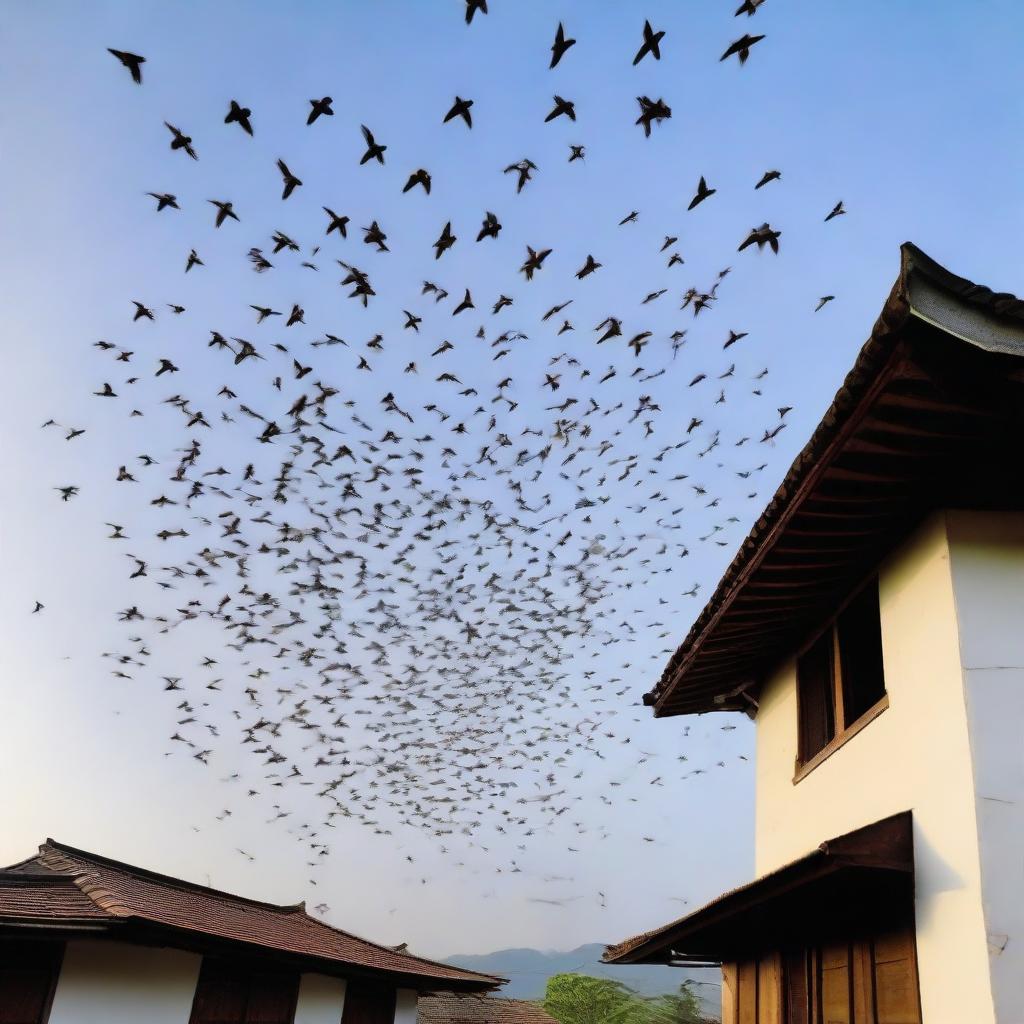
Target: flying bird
(560, 46)
(767, 177)
(460, 108)
(291, 183)
(132, 61)
(181, 141)
(836, 211)
(650, 45)
(374, 151)
(702, 193)
(239, 115)
(320, 108)
(741, 48)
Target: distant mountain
(528, 971)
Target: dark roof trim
(925, 293)
(883, 848)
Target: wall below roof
(114, 983)
(987, 552)
(321, 1000)
(916, 755)
(405, 1006)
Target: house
(89, 940)
(455, 1008)
(872, 624)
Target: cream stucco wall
(112, 983)
(916, 755)
(321, 1000)
(405, 1006)
(987, 552)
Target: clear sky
(908, 112)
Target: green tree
(682, 1007)
(581, 999)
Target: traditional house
(873, 626)
(453, 1008)
(89, 940)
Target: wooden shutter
(28, 977)
(368, 1004)
(835, 985)
(769, 989)
(220, 994)
(815, 696)
(244, 993)
(896, 985)
(730, 994)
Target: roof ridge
(71, 854)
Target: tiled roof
(61, 883)
(473, 1009)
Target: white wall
(914, 756)
(321, 1000)
(405, 1006)
(988, 577)
(112, 983)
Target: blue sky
(908, 112)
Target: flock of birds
(416, 601)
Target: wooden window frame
(804, 766)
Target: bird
(490, 227)
(836, 211)
(576, 153)
(225, 209)
(767, 177)
(763, 235)
(419, 177)
(741, 47)
(474, 6)
(702, 193)
(39, 606)
(320, 108)
(748, 7)
(132, 61)
(650, 111)
(523, 168)
(650, 45)
(180, 140)
(560, 46)
(164, 200)
(588, 268)
(336, 223)
(290, 181)
(444, 241)
(561, 108)
(374, 151)
(460, 108)
(823, 301)
(239, 115)
(193, 261)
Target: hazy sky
(909, 112)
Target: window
(840, 683)
(28, 976)
(244, 992)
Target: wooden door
(368, 1004)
